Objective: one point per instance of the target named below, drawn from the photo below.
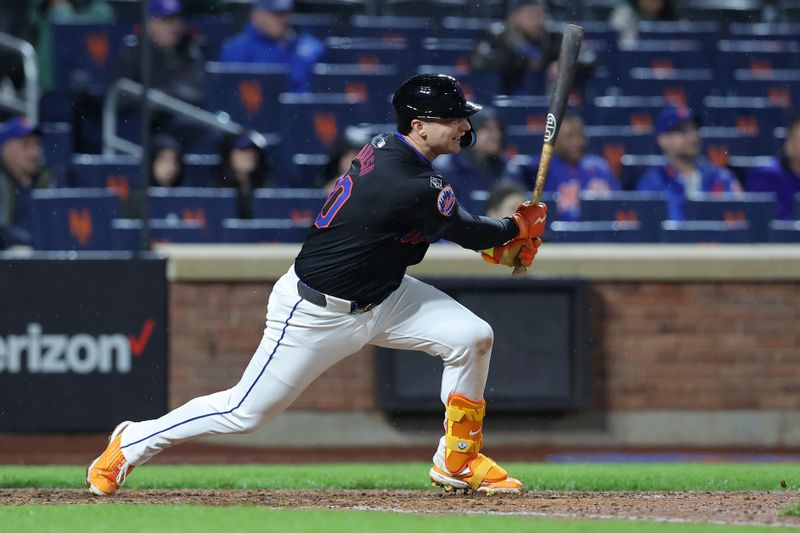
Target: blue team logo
(446, 202)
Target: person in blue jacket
(270, 39)
(685, 172)
(782, 175)
(573, 171)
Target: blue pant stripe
(283, 333)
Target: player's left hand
(507, 254)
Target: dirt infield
(752, 508)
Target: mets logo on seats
(38, 352)
(446, 202)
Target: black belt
(321, 300)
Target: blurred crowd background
(682, 126)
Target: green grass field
(536, 476)
(555, 477)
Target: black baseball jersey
(380, 218)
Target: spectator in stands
(177, 66)
(573, 171)
(269, 38)
(42, 13)
(166, 161)
(782, 175)
(244, 168)
(684, 172)
(523, 44)
(483, 165)
(21, 171)
(504, 198)
(627, 15)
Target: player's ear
(418, 127)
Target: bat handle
(547, 151)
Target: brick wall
(693, 346)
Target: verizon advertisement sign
(82, 343)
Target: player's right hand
(530, 219)
(522, 250)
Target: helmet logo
(550, 128)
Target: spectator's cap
(275, 6)
(513, 5)
(244, 141)
(672, 116)
(165, 8)
(17, 128)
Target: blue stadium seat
(58, 146)
(317, 24)
(263, 230)
(84, 54)
(201, 209)
(661, 55)
(117, 173)
(758, 209)
(126, 234)
(776, 85)
(614, 142)
(638, 112)
(678, 86)
(73, 219)
(475, 203)
(527, 111)
(447, 51)
(752, 116)
(392, 29)
(720, 144)
(369, 52)
(784, 231)
(299, 205)
(478, 86)
(594, 231)
(787, 31)
(315, 121)
(467, 27)
(247, 92)
(706, 32)
(648, 209)
(182, 231)
(199, 169)
(759, 57)
(705, 231)
(374, 86)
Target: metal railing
(29, 105)
(113, 143)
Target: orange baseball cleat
(108, 472)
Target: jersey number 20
(336, 199)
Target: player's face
(443, 136)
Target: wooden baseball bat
(565, 75)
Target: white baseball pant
(302, 340)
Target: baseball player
(348, 288)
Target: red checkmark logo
(139, 344)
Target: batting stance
(348, 288)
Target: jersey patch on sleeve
(446, 201)
(436, 183)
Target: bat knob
(519, 271)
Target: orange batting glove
(507, 254)
(530, 219)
